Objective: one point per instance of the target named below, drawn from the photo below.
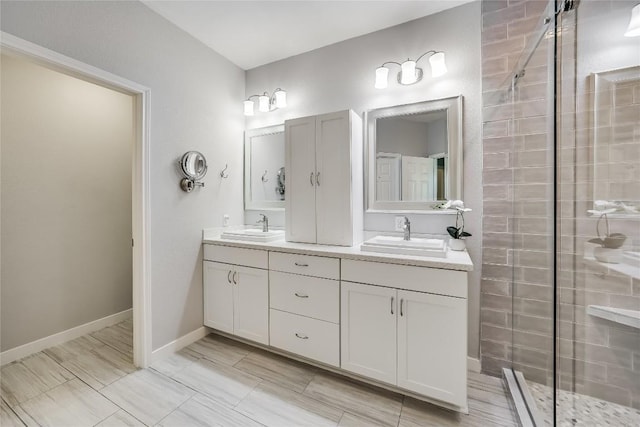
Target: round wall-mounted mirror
(193, 165)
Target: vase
(457, 244)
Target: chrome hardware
(401, 301)
(301, 296)
(222, 172)
(300, 264)
(264, 177)
(391, 305)
(265, 222)
(318, 179)
(311, 179)
(235, 275)
(302, 337)
(229, 277)
(407, 228)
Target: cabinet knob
(302, 337)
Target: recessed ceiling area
(254, 33)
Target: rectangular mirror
(264, 175)
(414, 155)
(616, 134)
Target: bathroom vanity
(397, 321)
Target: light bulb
(438, 66)
(281, 98)
(248, 108)
(408, 73)
(634, 24)
(263, 103)
(382, 77)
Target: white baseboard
(178, 344)
(473, 364)
(25, 350)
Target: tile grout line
(12, 410)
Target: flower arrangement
(457, 232)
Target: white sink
(253, 235)
(397, 245)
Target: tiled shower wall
(516, 291)
(596, 357)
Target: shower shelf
(618, 315)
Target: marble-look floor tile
(277, 369)
(8, 418)
(100, 367)
(24, 417)
(71, 349)
(27, 378)
(176, 362)
(275, 406)
(113, 337)
(147, 395)
(220, 349)
(70, 404)
(202, 411)
(416, 413)
(220, 382)
(352, 420)
(380, 405)
(120, 419)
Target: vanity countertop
(455, 260)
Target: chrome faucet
(406, 226)
(265, 222)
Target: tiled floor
(213, 382)
(576, 409)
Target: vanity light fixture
(410, 73)
(634, 24)
(266, 102)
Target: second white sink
(253, 235)
(397, 245)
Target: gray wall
(195, 104)
(341, 76)
(66, 201)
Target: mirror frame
(453, 106)
(249, 204)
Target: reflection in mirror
(616, 135)
(414, 155)
(264, 168)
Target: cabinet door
(300, 166)
(432, 346)
(333, 191)
(251, 304)
(218, 296)
(368, 330)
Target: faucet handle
(263, 218)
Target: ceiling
(254, 33)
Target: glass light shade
(634, 24)
(438, 66)
(408, 73)
(382, 77)
(263, 103)
(281, 98)
(248, 108)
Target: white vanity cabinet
(236, 297)
(416, 340)
(305, 306)
(323, 160)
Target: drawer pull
(401, 301)
(391, 305)
(302, 337)
(301, 264)
(301, 295)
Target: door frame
(140, 175)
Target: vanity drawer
(420, 279)
(308, 265)
(307, 296)
(238, 256)
(310, 338)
